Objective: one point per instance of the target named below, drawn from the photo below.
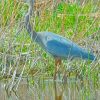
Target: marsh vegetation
(26, 71)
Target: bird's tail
(88, 55)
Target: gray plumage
(54, 44)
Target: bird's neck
(29, 28)
(34, 36)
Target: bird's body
(58, 46)
(61, 47)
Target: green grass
(68, 17)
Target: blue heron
(59, 47)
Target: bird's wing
(59, 47)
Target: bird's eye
(48, 38)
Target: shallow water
(50, 90)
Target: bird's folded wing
(59, 48)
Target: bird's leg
(57, 65)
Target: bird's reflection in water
(58, 91)
(53, 90)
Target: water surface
(50, 90)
